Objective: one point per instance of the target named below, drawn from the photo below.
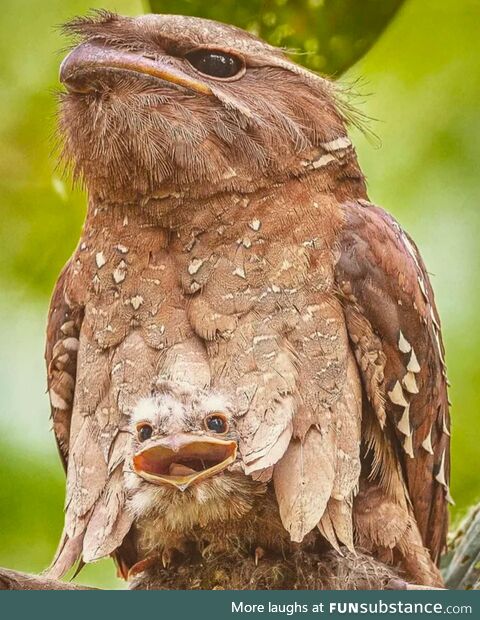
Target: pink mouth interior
(190, 459)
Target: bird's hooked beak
(91, 60)
(181, 460)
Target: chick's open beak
(181, 460)
(90, 61)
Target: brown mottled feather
(303, 480)
(63, 329)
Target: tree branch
(14, 580)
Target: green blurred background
(420, 85)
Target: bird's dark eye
(144, 432)
(217, 423)
(215, 63)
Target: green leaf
(329, 35)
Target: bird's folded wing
(89, 442)
(394, 329)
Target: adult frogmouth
(229, 243)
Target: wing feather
(394, 329)
(61, 352)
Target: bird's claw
(167, 555)
(259, 553)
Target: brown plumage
(229, 245)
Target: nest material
(304, 571)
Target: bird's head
(183, 451)
(181, 438)
(164, 102)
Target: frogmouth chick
(185, 485)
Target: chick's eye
(144, 432)
(216, 423)
(215, 63)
